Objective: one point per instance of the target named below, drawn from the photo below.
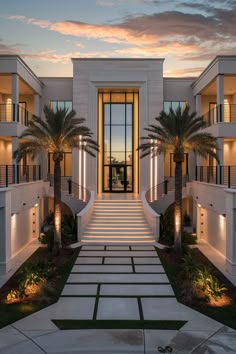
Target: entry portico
(119, 98)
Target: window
(174, 105)
(61, 105)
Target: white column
(198, 104)
(5, 230)
(15, 95)
(37, 105)
(220, 97)
(231, 231)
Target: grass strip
(119, 324)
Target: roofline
(56, 77)
(23, 63)
(123, 59)
(179, 78)
(210, 65)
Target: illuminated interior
(118, 140)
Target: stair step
(117, 237)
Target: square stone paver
(118, 309)
(117, 260)
(102, 268)
(142, 248)
(118, 278)
(79, 289)
(147, 260)
(73, 308)
(117, 253)
(162, 309)
(149, 269)
(136, 290)
(93, 248)
(89, 260)
(117, 248)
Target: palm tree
(179, 131)
(60, 130)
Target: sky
(187, 33)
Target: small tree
(60, 130)
(179, 131)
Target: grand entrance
(119, 156)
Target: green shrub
(68, 229)
(46, 238)
(188, 238)
(208, 283)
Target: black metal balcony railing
(72, 188)
(221, 113)
(11, 112)
(15, 174)
(161, 189)
(224, 175)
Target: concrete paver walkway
(117, 283)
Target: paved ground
(117, 283)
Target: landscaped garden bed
(197, 283)
(36, 284)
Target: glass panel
(107, 136)
(118, 114)
(129, 134)
(167, 106)
(68, 105)
(175, 105)
(117, 157)
(106, 178)
(107, 113)
(117, 178)
(129, 113)
(118, 138)
(182, 105)
(129, 158)
(129, 178)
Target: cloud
(31, 21)
(185, 36)
(104, 3)
(10, 49)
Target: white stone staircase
(117, 222)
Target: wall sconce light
(36, 205)
(199, 205)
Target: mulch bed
(223, 310)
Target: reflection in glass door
(118, 147)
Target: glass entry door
(118, 147)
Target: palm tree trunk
(57, 205)
(178, 205)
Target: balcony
(225, 113)
(16, 174)
(11, 112)
(221, 175)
